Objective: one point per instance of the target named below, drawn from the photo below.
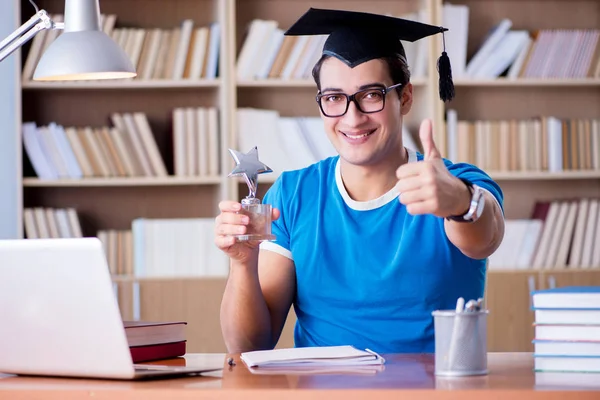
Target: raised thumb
(430, 151)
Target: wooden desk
(409, 376)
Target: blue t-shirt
(368, 273)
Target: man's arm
(256, 302)
(481, 238)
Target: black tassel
(445, 72)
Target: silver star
(249, 167)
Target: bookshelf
(113, 202)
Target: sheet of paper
(328, 355)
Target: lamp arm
(25, 32)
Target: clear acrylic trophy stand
(259, 227)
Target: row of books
(536, 144)
(51, 223)
(151, 248)
(184, 52)
(567, 329)
(191, 52)
(560, 53)
(520, 53)
(176, 247)
(559, 234)
(127, 149)
(118, 249)
(267, 53)
(196, 141)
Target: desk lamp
(81, 52)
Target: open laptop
(59, 315)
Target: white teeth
(358, 136)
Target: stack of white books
(567, 329)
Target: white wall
(10, 116)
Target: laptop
(60, 316)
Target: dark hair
(397, 67)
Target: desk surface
(408, 374)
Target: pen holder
(460, 343)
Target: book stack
(541, 143)
(66, 152)
(51, 223)
(567, 329)
(149, 341)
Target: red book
(157, 351)
(144, 333)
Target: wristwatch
(475, 208)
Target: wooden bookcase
(114, 203)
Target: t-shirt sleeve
(479, 177)
(275, 197)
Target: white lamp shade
(83, 55)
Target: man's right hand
(229, 222)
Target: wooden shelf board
(132, 278)
(125, 84)
(526, 82)
(530, 175)
(108, 182)
(544, 269)
(283, 83)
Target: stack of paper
(312, 356)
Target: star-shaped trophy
(249, 166)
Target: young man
(370, 242)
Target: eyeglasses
(370, 100)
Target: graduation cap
(357, 37)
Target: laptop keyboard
(140, 368)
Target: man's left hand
(427, 187)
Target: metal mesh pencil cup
(460, 342)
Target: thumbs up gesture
(427, 187)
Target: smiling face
(364, 139)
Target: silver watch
(477, 204)
(475, 207)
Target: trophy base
(253, 237)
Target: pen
(454, 339)
(460, 303)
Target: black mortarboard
(356, 37)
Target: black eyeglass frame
(352, 97)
